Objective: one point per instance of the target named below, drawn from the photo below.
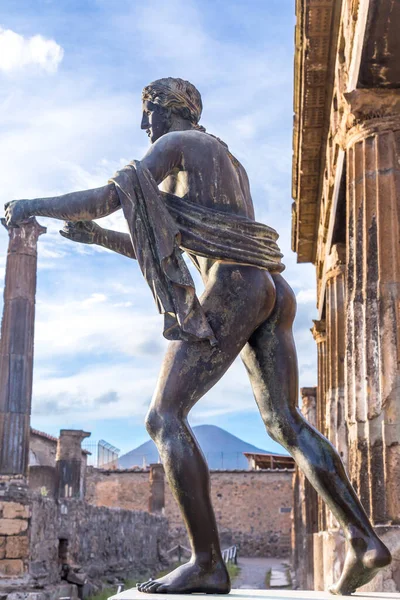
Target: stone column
(373, 309)
(69, 463)
(16, 347)
(336, 428)
(319, 334)
(157, 488)
(309, 404)
(308, 497)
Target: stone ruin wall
(39, 535)
(15, 515)
(244, 517)
(102, 542)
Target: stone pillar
(69, 463)
(310, 502)
(373, 309)
(336, 428)
(319, 334)
(305, 504)
(157, 488)
(16, 347)
(309, 404)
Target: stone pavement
(253, 571)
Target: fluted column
(16, 347)
(373, 319)
(319, 334)
(336, 428)
(305, 503)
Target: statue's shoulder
(178, 143)
(189, 137)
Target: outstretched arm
(87, 232)
(76, 206)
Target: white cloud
(18, 52)
(306, 296)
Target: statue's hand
(85, 232)
(16, 211)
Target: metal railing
(102, 454)
(215, 460)
(179, 551)
(230, 555)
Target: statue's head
(170, 104)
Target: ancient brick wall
(244, 516)
(42, 539)
(108, 541)
(248, 507)
(98, 541)
(123, 489)
(14, 540)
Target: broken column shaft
(69, 463)
(16, 347)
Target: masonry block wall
(126, 489)
(244, 516)
(14, 538)
(100, 541)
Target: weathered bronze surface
(247, 308)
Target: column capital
(336, 261)
(370, 112)
(371, 104)
(319, 331)
(24, 237)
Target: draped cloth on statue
(161, 226)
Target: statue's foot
(365, 557)
(189, 579)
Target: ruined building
(346, 186)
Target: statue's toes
(153, 589)
(147, 585)
(141, 586)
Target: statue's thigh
(190, 369)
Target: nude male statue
(247, 308)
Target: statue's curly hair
(180, 97)
(176, 96)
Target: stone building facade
(346, 186)
(244, 518)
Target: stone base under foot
(240, 594)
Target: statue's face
(154, 121)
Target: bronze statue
(189, 193)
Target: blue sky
(71, 75)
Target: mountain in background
(221, 449)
